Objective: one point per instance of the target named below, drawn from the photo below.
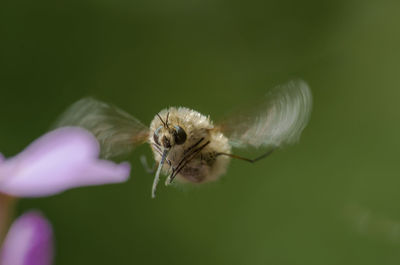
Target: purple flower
(59, 160)
(29, 241)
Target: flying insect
(187, 145)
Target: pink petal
(29, 241)
(59, 160)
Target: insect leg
(247, 159)
(194, 145)
(148, 169)
(158, 150)
(189, 158)
(187, 154)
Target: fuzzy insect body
(187, 146)
(195, 160)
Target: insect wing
(277, 120)
(117, 131)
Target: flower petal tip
(59, 160)
(29, 241)
(125, 170)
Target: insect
(187, 145)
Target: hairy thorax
(197, 160)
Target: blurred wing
(117, 131)
(279, 119)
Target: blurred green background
(331, 199)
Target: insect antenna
(166, 120)
(165, 125)
(248, 159)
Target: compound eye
(180, 135)
(155, 135)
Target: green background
(331, 199)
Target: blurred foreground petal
(29, 241)
(59, 160)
